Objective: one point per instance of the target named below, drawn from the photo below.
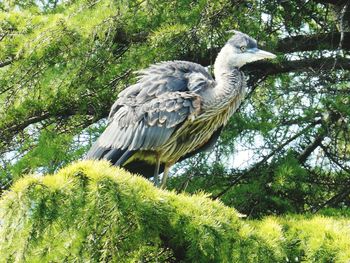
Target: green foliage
(51, 152)
(90, 211)
(63, 63)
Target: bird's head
(241, 49)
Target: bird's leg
(165, 176)
(156, 171)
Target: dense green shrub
(92, 212)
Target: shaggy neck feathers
(230, 80)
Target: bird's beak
(261, 54)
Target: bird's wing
(149, 125)
(146, 126)
(167, 77)
(162, 78)
(147, 113)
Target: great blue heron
(175, 110)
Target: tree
(62, 64)
(96, 216)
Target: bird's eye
(243, 48)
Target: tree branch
(332, 2)
(5, 62)
(266, 68)
(335, 199)
(328, 41)
(333, 159)
(310, 148)
(264, 160)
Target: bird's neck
(230, 80)
(223, 63)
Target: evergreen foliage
(92, 212)
(63, 63)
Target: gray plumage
(175, 110)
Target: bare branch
(311, 147)
(5, 62)
(265, 159)
(328, 41)
(16, 128)
(266, 68)
(334, 160)
(336, 199)
(332, 2)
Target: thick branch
(267, 68)
(5, 62)
(328, 41)
(310, 148)
(334, 160)
(6, 134)
(22, 125)
(335, 200)
(332, 2)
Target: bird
(175, 110)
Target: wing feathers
(148, 112)
(153, 124)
